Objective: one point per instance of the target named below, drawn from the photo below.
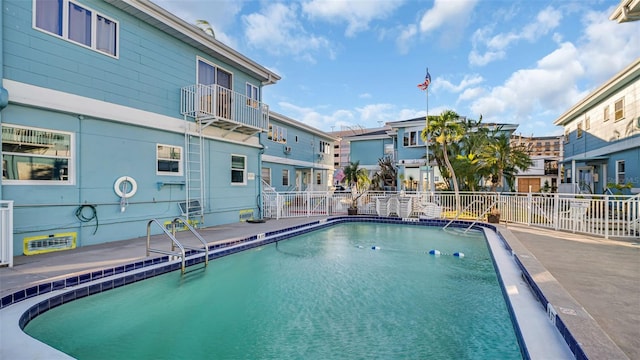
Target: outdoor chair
(576, 215)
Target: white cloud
(494, 47)
(446, 12)
(365, 96)
(357, 14)
(277, 30)
(470, 94)
(450, 16)
(220, 20)
(606, 46)
(405, 38)
(552, 84)
(467, 81)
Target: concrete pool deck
(593, 283)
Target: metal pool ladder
(181, 253)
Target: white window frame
(267, 178)
(286, 175)
(620, 173)
(621, 111)
(418, 138)
(253, 95)
(243, 170)
(277, 134)
(606, 113)
(94, 26)
(324, 148)
(71, 159)
(180, 171)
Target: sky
(358, 63)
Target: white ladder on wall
(195, 193)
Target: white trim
(71, 169)
(293, 162)
(619, 146)
(180, 161)
(65, 27)
(244, 170)
(49, 99)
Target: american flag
(427, 81)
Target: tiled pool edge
(162, 265)
(581, 332)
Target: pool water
(322, 295)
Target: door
(215, 81)
(585, 180)
(525, 183)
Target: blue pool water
(323, 295)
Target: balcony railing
(218, 106)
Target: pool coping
(48, 295)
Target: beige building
(546, 153)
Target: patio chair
(430, 210)
(577, 215)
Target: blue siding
(367, 151)
(151, 68)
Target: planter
(493, 219)
(352, 211)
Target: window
(587, 123)
(388, 149)
(566, 136)
(325, 147)
(36, 156)
(77, 23)
(411, 138)
(266, 175)
(252, 95)
(620, 172)
(579, 133)
(169, 160)
(606, 113)
(238, 169)
(285, 177)
(618, 110)
(277, 134)
(318, 179)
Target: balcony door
(211, 75)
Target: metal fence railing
(6, 233)
(600, 215)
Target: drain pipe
(259, 176)
(4, 94)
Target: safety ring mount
(125, 187)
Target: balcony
(223, 108)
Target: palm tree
(206, 27)
(358, 179)
(444, 130)
(505, 159)
(385, 178)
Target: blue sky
(358, 63)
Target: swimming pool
(289, 252)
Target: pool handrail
(174, 241)
(185, 222)
(483, 213)
(460, 213)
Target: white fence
(6, 233)
(600, 215)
